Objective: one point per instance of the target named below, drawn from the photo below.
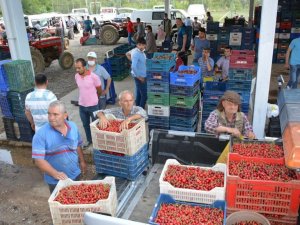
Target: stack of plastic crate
(235, 38)
(158, 88)
(248, 38)
(20, 79)
(212, 34)
(184, 98)
(240, 75)
(121, 154)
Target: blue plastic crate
(294, 35)
(212, 25)
(245, 96)
(245, 107)
(182, 128)
(116, 60)
(157, 86)
(178, 111)
(182, 78)
(209, 105)
(158, 76)
(223, 30)
(183, 121)
(215, 86)
(158, 120)
(3, 77)
(236, 29)
(157, 126)
(5, 105)
(122, 49)
(238, 85)
(164, 198)
(157, 63)
(212, 95)
(247, 46)
(185, 91)
(26, 132)
(129, 167)
(9, 128)
(286, 96)
(240, 74)
(17, 102)
(223, 37)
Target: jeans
(141, 93)
(53, 186)
(294, 75)
(149, 55)
(130, 41)
(85, 114)
(102, 103)
(189, 30)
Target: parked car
(197, 10)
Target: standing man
(199, 43)
(196, 27)
(223, 63)
(140, 29)
(138, 71)
(150, 42)
(130, 31)
(167, 27)
(292, 61)
(96, 27)
(189, 29)
(70, 25)
(206, 63)
(181, 36)
(89, 86)
(209, 17)
(56, 147)
(88, 25)
(37, 103)
(99, 70)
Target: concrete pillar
(265, 54)
(251, 13)
(15, 29)
(167, 8)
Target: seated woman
(228, 118)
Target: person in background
(181, 36)
(96, 27)
(88, 25)
(189, 29)
(206, 63)
(228, 118)
(140, 30)
(292, 61)
(37, 102)
(223, 63)
(89, 86)
(161, 35)
(56, 147)
(167, 26)
(130, 31)
(209, 17)
(128, 112)
(138, 71)
(150, 42)
(99, 70)
(196, 27)
(70, 25)
(199, 43)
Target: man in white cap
(101, 72)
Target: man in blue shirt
(56, 147)
(292, 61)
(88, 25)
(182, 36)
(138, 71)
(199, 43)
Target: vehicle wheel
(66, 43)
(46, 35)
(66, 60)
(37, 60)
(109, 35)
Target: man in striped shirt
(37, 102)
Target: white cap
(92, 55)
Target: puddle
(5, 156)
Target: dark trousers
(141, 93)
(86, 114)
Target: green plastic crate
(158, 98)
(20, 76)
(120, 76)
(184, 101)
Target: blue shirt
(295, 54)
(203, 66)
(138, 65)
(199, 46)
(58, 150)
(87, 24)
(101, 72)
(181, 33)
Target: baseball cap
(92, 55)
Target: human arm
(128, 55)
(45, 167)
(184, 43)
(287, 58)
(134, 66)
(248, 130)
(107, 77)
(210, 64)
(127, 121)
(82, 163)
(138, 113)
(30, 118)
(108, 83)
(103, 121)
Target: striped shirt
(203, 66)
(118, 112)
(37, 103)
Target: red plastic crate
(285, 25)
(273, 197)
(243, 52)
(242, 61)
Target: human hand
(60, 176)
(251, 135)
(286, 65)
(124, 125)
(103, 122)
(32, 126)
(235, 132)
(142, 79)
(104, 92)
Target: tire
(37, 60)
(66, 60)
(109, 35)
(46, 35)
(66, 43)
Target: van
(80, 12)
(162, 7)
(197, 10)
(108, 13)
(154, 17)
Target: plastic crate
(9, 128)
(212, 95)
(178, 111)
(120, 77)
(158, 120)
(261, 196)
(160, 64)
(20, 76)
(185, 91)
(17, 102)
(73, 214)
(26, 132)
(164, 198)
(164, 56)
(127, 142)
(156, 86)
(183, 121)
(158, 110)
(238, 85)
(183, 101)
(215, 86)
(239, 62)
(183, 79)
(243, 52)
(282, 220)
(188, 128)
(129, 167)
(116, 60)
(158, 76)
(289, 113)
(210, 105)
(3, 77)
(5, 105)
(240, 74)
(212, 25)
(158, 99)
(122, 49)
(286, 96)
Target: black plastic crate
(9, 128)
(26, 132)
(17, 102)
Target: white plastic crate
(295, 30)
(235, 39)
(127, 142)
(158, 110)
(284, 36)
(189, 195)
(73, 214)
(212, 37)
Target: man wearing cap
(101, 72)
(89, 86)
(228, 118)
